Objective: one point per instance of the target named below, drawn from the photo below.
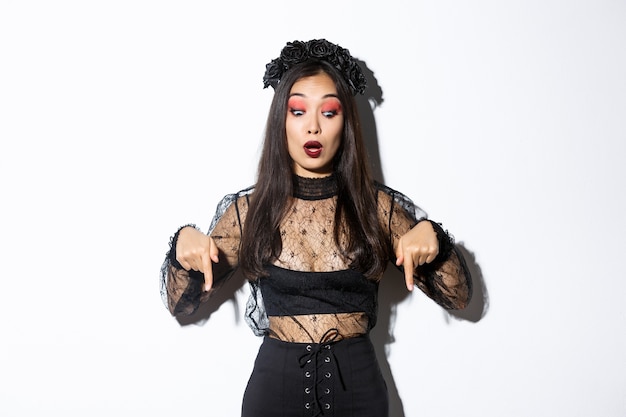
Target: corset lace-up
(319, 364)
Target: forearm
(181, 289)
(447, 281)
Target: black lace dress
(314, 312)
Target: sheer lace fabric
(307, 236)
(313, 327)
(309, 301)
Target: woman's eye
(329, 113)
(296, 112)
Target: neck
(314, 188)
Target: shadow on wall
(372, 97)
(479, 304)
(391, 290)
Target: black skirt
(339, 379)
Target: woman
(313, 238)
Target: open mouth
(313, 148)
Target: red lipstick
(313, 148)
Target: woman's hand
(416, 247)
(195, 250)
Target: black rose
(273, 73)
(342, 58)
(321, 48)
(355, 78)
(294, 53)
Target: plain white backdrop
(122, 120)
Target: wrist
(174, 241)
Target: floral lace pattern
(309, 247)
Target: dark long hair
(356, 215)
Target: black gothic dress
(314, 312)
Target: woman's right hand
(195, 250)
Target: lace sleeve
(446, 280)
(181, 290)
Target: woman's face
(314, 125)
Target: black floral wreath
(296, 52)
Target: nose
(314, 126)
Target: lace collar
(314, 188)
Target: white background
(121, 120)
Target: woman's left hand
(416, 247)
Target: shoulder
(391, 200)
(232, 206)
(239, 196)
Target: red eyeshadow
(333, 106)
(295, 102)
